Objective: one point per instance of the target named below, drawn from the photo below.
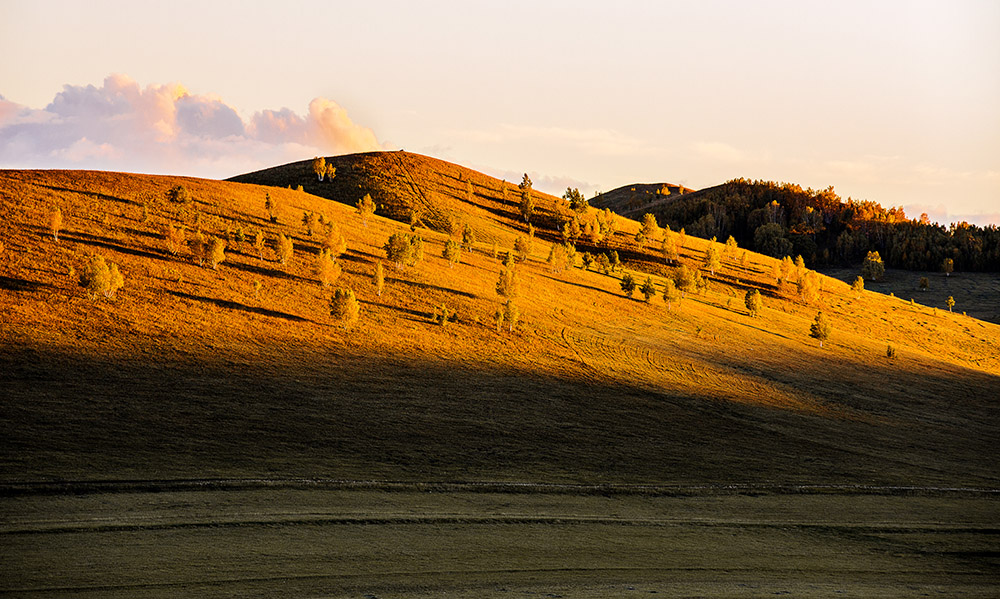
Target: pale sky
(895, 102)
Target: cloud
(167, 129)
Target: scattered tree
(258, 243)
(319, 167)
(441, 314)
(648, 289)
(603, 263)
(820, 328)
(753, 302)
(309, 220)
(416, 249)
(55, 222)
(669, 247)
(627, 284)
(684, 279)
(378, 277)
(216, 252)
(858, 287)
(587, 258)
(100, 278)
(344, 306)
(890, 352)
(173, 238)
(507, 283)
(712, 259)
(809, 286)
(577, 203)
(179, 194)
(366, 208)
(271, 206)
(327, 268)
(873, 269)
(199, 247)
(616, 264)
(670, 293)
(948, 266)
(451, 252)
(468, 238)
(650, 228)
(731, 247)
(527, 205)
(522, 248)
(284, 248)
(511, 315)
(398, 249)
(950, 302)
(331, 171)
(924, 283)
(334, 242)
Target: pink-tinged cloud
(167, 129)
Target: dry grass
(189, 373)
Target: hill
(633, 201)
(219, 410)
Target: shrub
(441, 314)
(890, 352)
(179, 194)
(858, 286)
(753, 302)
(344, 306)
(284, 248)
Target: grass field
(194, 435)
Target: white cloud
(167, 129)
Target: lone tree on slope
(858, 287)
(55, 222)
(319, 167)
(366, 208)
(753, 302)
(873, 268)
(627, 284)
(820, 328)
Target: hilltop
(192, 388)
(634, 201)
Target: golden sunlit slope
(189, 372)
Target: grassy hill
(633, 201)
(191, 379)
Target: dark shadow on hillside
(110, 244)
(591, 287)
(418, 316)
(237, 306)
(14, 284)
(94, 194)
(434, 287)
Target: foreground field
(186, 436)
(459, 541)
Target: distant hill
(633, 201)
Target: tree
(684, 279)
(344, 306)
(441, 314)
(650, 228)
(648, 289)
(616, 264)
(179, 194)
(398, 249)
(753, 302)
(468, 238)
(331, 171)
(670, 293)
(271, 206)
(820, 328)
(873, 269)
(800, 268)
(199, 247)
(378, 278)
(258, 243)
(522, 248)
(712, 261)
(858, 287)
(309, 220)
(507, 283)
(173, 238)
(603, 263)
(416, 249)
(216, 252)
(100, 278)
(924, 283)
(577, 203)
(327, 268)
(809, 286)
(451, 252)
(527, 205)
(730, 250)
(950, 302)
(587, 259)
(366, 208)
(669, 247)
(948, 266)
(511, 314)
(55, 222)
(334, 242)
(319, 167)
(627, 284)
(770, 239)
(787, 268)
(284, 248)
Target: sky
(894, 102)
